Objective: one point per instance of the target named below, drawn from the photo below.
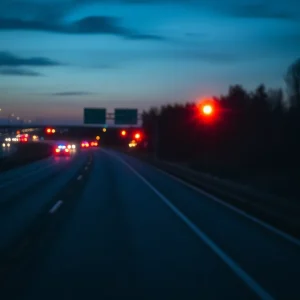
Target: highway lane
(6, 151)
(16, 180)
(19, 171)
(137, 233)
(34, 185)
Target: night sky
(59, 56)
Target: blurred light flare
(132, 144)
(85, 144)
(207, 109)
(137, 136)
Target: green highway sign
(126, 116)
(94, 116)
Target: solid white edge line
(275, 230)
(79, 177)
(271, 228)
(252, 284)
(55, 207)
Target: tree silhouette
(253, 135)
(292, 80)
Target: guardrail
(282, 213)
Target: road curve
(127, 230)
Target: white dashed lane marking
(55, 207)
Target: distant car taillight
(85, 145)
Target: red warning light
(48, 130)
(123, 133)
(137, 136)
(207, 109)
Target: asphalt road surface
(7, 151)
(103, 225)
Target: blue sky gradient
(57, 57)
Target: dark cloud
(88, 25)
(35, 10)
(72, 93)
(18, 72)
(289, 9)
(141, 1)
(262, 11)
(106, 25)
(9, 60)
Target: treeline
(250, 133)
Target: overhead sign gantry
(121, 116)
